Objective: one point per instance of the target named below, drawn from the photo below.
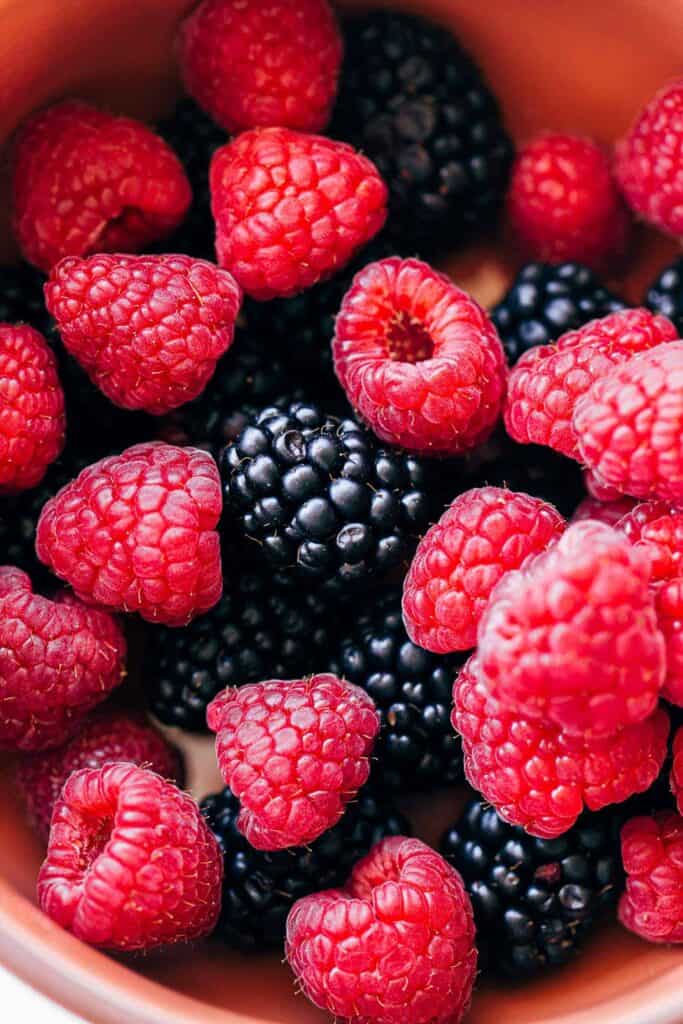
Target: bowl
(581, 67)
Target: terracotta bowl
(580, 66)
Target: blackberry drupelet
(321, 497)
(257, 631)
(417, 746)
(259, 888)
(534, 900)
(665, 295)
(545, 300)
(415, 103)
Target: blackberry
(545, 300)
(21, 297)
(257, 631)
(665, 295)
(415, 103)
(417, 746)
(320, 496)
(259, 888)
(534, 900)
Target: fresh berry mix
(320, 497)
(652, 852)
(534, 900)
(415, 103)
(411, 688)
(665, 295)
(259, 887)
(545, 301)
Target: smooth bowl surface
(574, 66)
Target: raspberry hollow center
(96, 833)
(408, 341)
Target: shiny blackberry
(545, 300)
(321, 498)
(415, 103)
(417, 746)
(665, 295)
(534, 900)
(259, 888)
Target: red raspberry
(131, 863)
(137, 532)
(629, 425)
(294, 752)
(250, 64)
(105, 737)
(547, 382)
(677, 769)
(608, 512)
(657, 527)
(573, 638)
(58, 659)
(541, 778)
(32, 420)
(598, 489)
(652, 852)
(85, 181)
(485, 533)
(291, 209)
(148, 330)
(394, 946)
(418, 358)
(649, 161)
(563, 203)
(669, 606)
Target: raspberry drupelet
(652, 852)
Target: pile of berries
(381, 539)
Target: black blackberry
(412, 690)
(259, 888)
(257, 631)
(546, 300)
(417, 105)
(665, 295)
(534, 900)
(21, 297)
(320, 496)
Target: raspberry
(131, 863)
(294, 753)
(106, 736)
(652, 852)
(148, 330)
(58, 659)
(657, 527)
(291, 209)
(669, 605)
(485, 533)
(572, 637)
(598, 489)
(136, 532)
(394, 946)
(32, 420)
(564, 205)
(418, 358)
(541, 778)
(85, 181)
(608, 512)
(649, 161)
(629, 425)
(677, 769)
(547, 382)
(251, 64)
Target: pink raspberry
(148, 330)
(291, 209)
(657, 528)
(394, 946)
(294, 752)
(485, 533)
(137, 532)
(649, 161)
(677, 769)
(563, 203)
(84, 181)
(131, 863)
(106, 736)
(669, 605)
(629, 425)
(58, 659)
(548, 381)
(652, 852)
(251, 64)
(598, 489)
(418, 358)
(608, 512)
(541, 778)
(32, 420)
(572, 637)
